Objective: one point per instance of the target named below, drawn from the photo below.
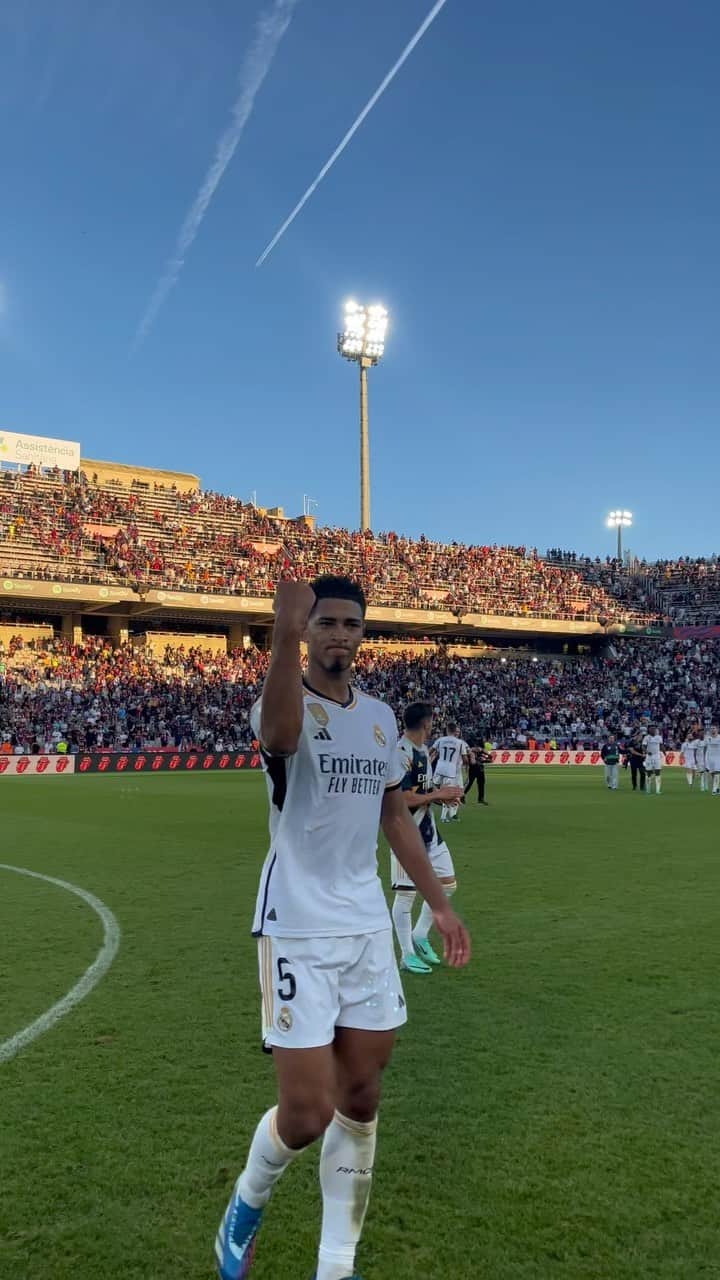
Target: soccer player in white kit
(451, 753)
(652, 743)
(417, 954)
(699, 745)
(688, 750)
(331, 992)
(712, 758)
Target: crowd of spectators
(65, 526)
(680, 592)
(93, 696)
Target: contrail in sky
(271, 27)
(354, 127)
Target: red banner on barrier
(32, 766)
(542, 756)
(165, 761)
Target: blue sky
(536, 200)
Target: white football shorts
(653, 763)
(441, 861)
(440, 780)
(310, 986)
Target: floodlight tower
(619, 520)
(363, 340)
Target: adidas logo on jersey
(322, 735)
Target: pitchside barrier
(52, 766)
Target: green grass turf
(551, 1111)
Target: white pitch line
(91, 977)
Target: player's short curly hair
(330, 586)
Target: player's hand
(448, 795)
(456, 939)
(292, 606)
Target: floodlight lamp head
(363, 335)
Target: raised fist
(292, 606)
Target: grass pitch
(551, 1111)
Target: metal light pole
(619, 520)
(364, 448)
(363, 341)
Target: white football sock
(425, 919)
(402, 919)
(267, 1159)
(346, 1165)
(657, 783)
(689, 775)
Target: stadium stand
(94, 695)
(685, 592)
(66, 527)
(118, 528)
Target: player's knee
(361, 1098)
(304, 1116)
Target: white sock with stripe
(268, 1158)
(402, 919)
(346, 1165)
(425, 919)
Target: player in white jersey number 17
(450, 754)
(331, 992)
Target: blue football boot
(236, 1238)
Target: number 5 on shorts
(286, 976)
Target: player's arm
(441, 795)
(281, 716)
(406, 843)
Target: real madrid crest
(379, 736)
(318, 713)
(285, 1019)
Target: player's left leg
(716, 784)
(442, 865)
(402, 920)
(372, 1007)
(690, 775)
(402, 917)
(348, 1150)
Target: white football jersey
(652, 743)
(688, 750)
(698, 745)
(450, 754)
(320, 876)
(712, 753)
